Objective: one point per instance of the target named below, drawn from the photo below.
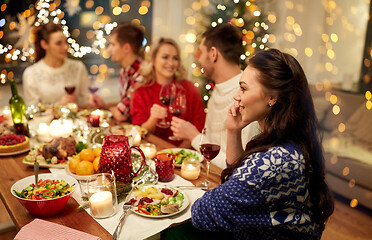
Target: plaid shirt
(129, 78)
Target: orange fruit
(86, 155)
(72, 164)
(97, 151)
(84, 168)
(96, 164)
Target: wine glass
(209, 150)
(69, 87)
(177, 108)
(94, 85)
(167, 95)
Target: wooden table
(12, 169)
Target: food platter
(185, 204)
(126, 129)
(188, 153)
(45, 164)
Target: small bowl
(44, 207)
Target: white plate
(77, 177)
(175, 150)
(46, 165)
(186, 202)
(15, 153)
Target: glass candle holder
(190, 169)
(102, 195)
(164, 163)
(94, 120)
(149, 150)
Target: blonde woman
(162, 66)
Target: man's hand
(68, 98)
(96, 101)
(183, 129)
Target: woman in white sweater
(45, 81)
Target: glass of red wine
(209, 150)
(69, 88)
(177, 108)
(94, 85)
(166, 96)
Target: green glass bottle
(18, 110)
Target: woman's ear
(272, 100)
(44, 44)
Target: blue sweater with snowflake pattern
(267, 197)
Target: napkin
(40, 229)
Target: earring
(270, 105)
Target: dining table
(13, 169)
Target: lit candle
(101, 204)
(95, 117)
(149, 150)
(190, 169)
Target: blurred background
(330, 38)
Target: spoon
(36, 172)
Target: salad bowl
(44, 207)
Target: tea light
(149, 150)
(101, 204)
(190, 169)
(95, 117)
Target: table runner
(138, 227)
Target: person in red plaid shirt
(125, 45)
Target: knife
(192, 187)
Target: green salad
(47, 189)
(182, 154)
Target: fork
(126, 207)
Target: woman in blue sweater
(276, 188)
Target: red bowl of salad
(49, 198)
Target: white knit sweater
(44, 84)
(215, 123)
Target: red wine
(70, 89)
(93, 89)
(177, 111)
(209, 151)
(166, 100)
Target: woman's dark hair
(227, 39)
(291, 119)
(43, 32)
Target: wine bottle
(18, 110)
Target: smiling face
(253, 98)
(166, 63)
(56, 46)
(205, 60)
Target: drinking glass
(164, 163)
(94, 85)
(209, 150)
(177, 108)
(167, 95)
(70, 87)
